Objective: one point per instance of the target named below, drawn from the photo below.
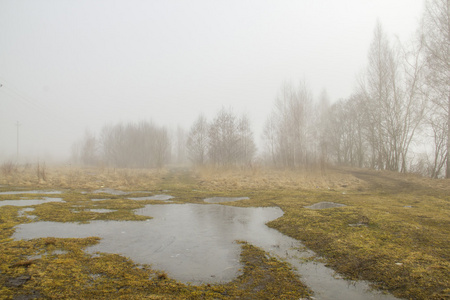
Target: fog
(71, 66)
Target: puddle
(53, 252)
(324, 205)
(29, 202)
(22, 213)
(224, 199)
(155, 197)
(31, 192)
(102, 210)
(196, 243)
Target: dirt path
(395, 183)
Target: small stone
(18, 281)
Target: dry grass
(402, 244)
(82, 178)
(73, 274)
(273, 179)
(8, 168)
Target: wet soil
(399, 241)
(196, 244)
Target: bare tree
(113, 143)
(135, 145)
(269, 136)
(413, 106)
(345, 132)
(393, 103)
(289, 129)
(439, 133)
(89, 149)
(436, 24)
(247, 147)
(322, 126)
(198, 141)
(161, 147)
(224, 139)
(379, 92)
(180, 145)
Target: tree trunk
(447, 172)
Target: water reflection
(101, 210)
(23, 212)
(196, 243)
(193, 243)
(155, 197)
(30, 192)
(29, 202)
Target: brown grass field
(401, 243)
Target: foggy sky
(70, 66)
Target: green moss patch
(72, 274)
(394, 231)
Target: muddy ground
(394, 231)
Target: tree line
(132, 145)
(226, 141)
(397, 118)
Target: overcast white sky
(67, 66)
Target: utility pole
(18, 125)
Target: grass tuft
(394, 231)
